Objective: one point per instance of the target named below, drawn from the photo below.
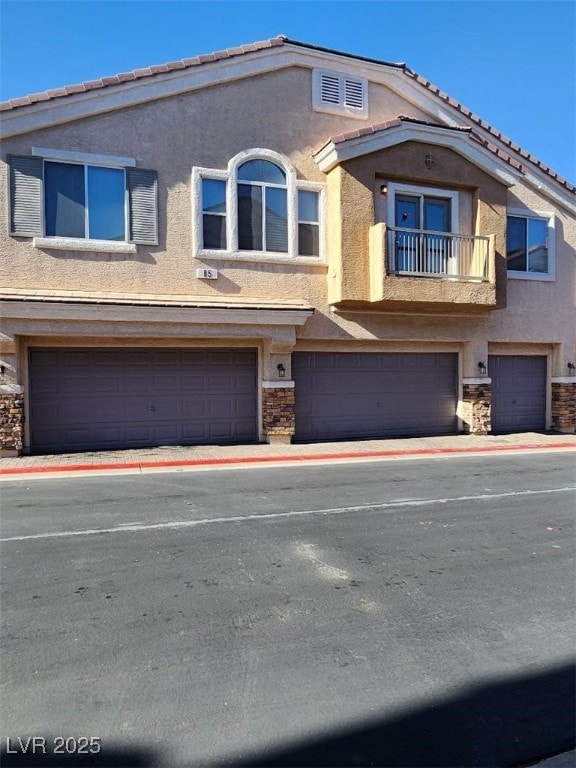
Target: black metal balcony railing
(445, 255)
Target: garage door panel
(222, 382)
(48, 359)
(167, 358)
(136, 384)
(166, 433)
(244, 382)
(369, 395)
(82, 399)
(108, 358)
(244, 429)
(193, 409)
(193, 357)
(220, 407)
(103, 435)
(107, 384)
(518, 392)
(223, 431)
(75, 359)
(137, 434)
(135, 357)
(243, 357)
(166, 384)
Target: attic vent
(330, 87)
(353, 93)
(337, 93)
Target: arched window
(262, 207)
(257, 208)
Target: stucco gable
(62, 105)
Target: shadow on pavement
(512, 722)
(506, 723)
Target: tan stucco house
(272, 243)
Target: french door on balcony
(418, 249)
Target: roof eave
(332, 154)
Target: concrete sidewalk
(174, 457)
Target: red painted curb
(287, 457)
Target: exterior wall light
(572, 368)
(383, 189)
(281, 371)
(482, 368)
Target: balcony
(442, 255)
(431, 271)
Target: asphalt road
(394, 613)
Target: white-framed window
(262, 199)
(213, 196)
(422, 208)
(530, 240)
(82, 201)
(257, 210)
(338, 93)
(86, 201)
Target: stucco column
(476, 404)
(563, 386)
(278, 420)
(11, 400)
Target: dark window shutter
(26, 196)
(143, 206)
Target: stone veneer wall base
(278, 420)
(477, 408)
(11, 423)
(564, 406)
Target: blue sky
(513, 62)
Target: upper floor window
(214, 213)
(530, 245)
(339, 93)
(256, 209)
(82, 201)
(262, 207)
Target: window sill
(261, 258)
(541, 276)
(81, 244)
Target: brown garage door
(90, 399)
(518, 393)
(347, 395)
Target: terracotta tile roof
(151, 299)
(281, 40)
(379, 127)
(138, 74)
(487, 127)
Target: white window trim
(84, 244)
(549, 276)
(293, 185)
(85, 158)
(339, 109)
(77, 243)
(420, 191)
